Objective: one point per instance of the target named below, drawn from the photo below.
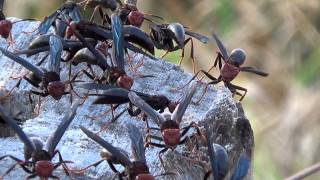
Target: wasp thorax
(145, 177)
(179, 33)
(56, 89)
(171, 137)
(5, 28)
(44, 168)
(135, 18)
(125, 82)
(237, 56)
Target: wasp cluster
(102, 48)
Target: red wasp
(169, 124)
(41, 158)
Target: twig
(305, 172)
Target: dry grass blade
(305, 172)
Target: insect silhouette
(169, 123)
(115, 95)
(41, 157)
(48, 80)
(136, 169)
(164, 36)
(229, 69)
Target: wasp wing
(117, 45)
(56, 49)
(54, 139)
(211, 153)
(95, 86)
(139, 37)
(47, 22)
(23, 62)
(253, 70)
(125, 161)
(112, 96)
(242, 167)
(1, 6)
(141, 104)
(221, 47)
(184, 103)
(204, 39)
(137, 146)
(22, 136)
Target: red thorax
(229, 72)
(135, 18)
(171, 137)
(56, 89)
(145, 177)
(125, 82)
(44, 168)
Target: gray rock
(217, 108)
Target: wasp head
(237, 57)
(178, 33)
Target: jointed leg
(11, 90)
(233, 88)
(218, 60)
(81, 171)
(104, 113)
(165, 54)
(106, 126)
(160, 157)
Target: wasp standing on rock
(114, 95)
(41, 157)
(230, 69)
(48, 81)
(164, 36)
(136, 169)
(168, 123)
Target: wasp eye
(238, 56)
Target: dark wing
(139, 37)
(184, 103)
(136, 143)
(221, 47)
(214, 167)
(54, 139)
(56, 49)
(22, 136)
(23, 62)
(113, 96)
(75, 14)
(222, 160)
(95, 86)
(117, 45)
(114, 151)
(47, 23)
(253, 70)
(200, 37)
(141, 104)
(102, 62)
(1, 5)
(242, 167)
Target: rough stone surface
(217, 108)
